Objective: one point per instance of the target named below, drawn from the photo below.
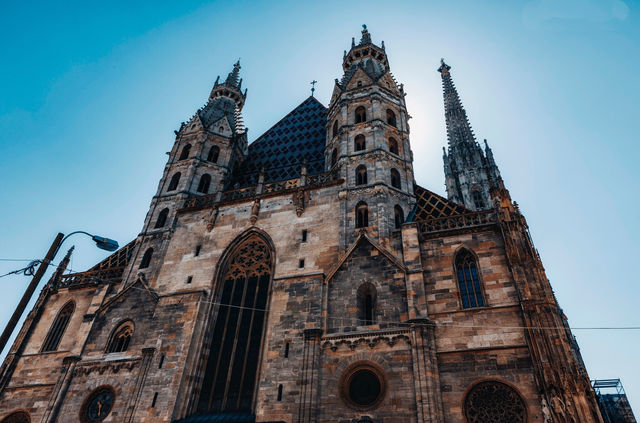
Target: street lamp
(101, 242)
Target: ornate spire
(62, 267)
(470, 173)
(231, 87)
(459, 130)
(366, 37)
(365, 50)
(232, 78)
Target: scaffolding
(613, 402)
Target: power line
(350, 319)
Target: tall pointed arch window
(362, 215)
(185, 152)
(398, 216)
(146, 259)
(395, 179)
(162, 218)
(360, 114)
(232, 364)
(468, 280)
(334, 131)
(391, 118)
(361, 175)
(367, 304)
(359, 143)
(205, 182)
(214, 152)
(121, 338)
(334, 157)
(175, 180)
(58, 328)
(393, 146)
(478, 201)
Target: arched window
(185, 152)
(232, 365)
(398, 216)
(17, 417)
(359, 84)
(56, 331)
(162, 218)
(468, 280)
(146, 258)
(361, 114)
(493, 401)
(395, 179)
(391, 117)
(214, 152)
(359, 143)
(478, 201)
(367, 304)
(120, 338)
(362, 215)
(334, 157)
(393, 146)
(361, 175)
(203, 185)
(173, 184)
(334, 132)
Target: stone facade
(297, 291)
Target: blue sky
(90, 93)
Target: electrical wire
(409, 324)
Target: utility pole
(42, 268)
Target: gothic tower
(470, 173)
(206, 150)
(368, 143)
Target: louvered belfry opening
(232, 366)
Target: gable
(357, 246)
(358, 76)
(297, 138)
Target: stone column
(147, 356)
(60, 390)
(307, 413)
(425, 372)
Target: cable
(349, 319)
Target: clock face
(99, 406)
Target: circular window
(98, 405)
(362, 386)
(496, 402)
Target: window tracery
(359, 143)
(360, 114)
(361, 175)
(121, 338)
(468, 280)
(494, 402)
(232, 366)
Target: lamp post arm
(15, 317)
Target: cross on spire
(313, 86)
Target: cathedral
(308, 278)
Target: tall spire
(458, 128)
(470, 173)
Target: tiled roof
(299, 137)
(430, 205)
